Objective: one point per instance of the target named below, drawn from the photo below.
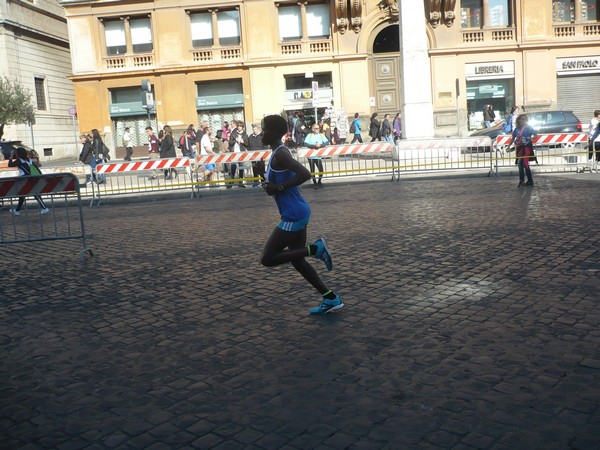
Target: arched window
(388, 40)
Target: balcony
(128, 62)
(577, 30)
(489, 36)
(305, 47)
(217, 55)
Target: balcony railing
(489, 36)
(128, 62)
(307, 47)
(216, 55)
(573, 30)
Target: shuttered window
(580, 94)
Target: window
(296, 82)
(314, 16)
(479, 13)
(227, 31)
(114, 32)
(141, 35)
(589, 10)
(563, 11)
(40, 93)
(137, 31)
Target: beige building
(228, 60)
(34, 51)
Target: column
(415, 70)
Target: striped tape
(224, 158)
(350, 149)
(38, 185)
(561, 138)
(132, 166)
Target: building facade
(34, 51)
(228, 59)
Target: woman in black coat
(167, 150)
(374, 128)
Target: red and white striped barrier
(349, 149)
(132, 166)
(560, 138)
(38, 185)
(225, 158)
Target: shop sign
(490, 70)
(127, 109)
(220, 101)
(308, 94)
(585, 64)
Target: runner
(287, 242)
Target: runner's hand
(271, 188)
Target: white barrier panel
(345, 149)
(540, 139)
(153, 164)
(227, 158)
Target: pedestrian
(26, 167)
(374, 128)
(101, 153)
(206, 148)
(326, 128)
(386, 129)
(201, 129)
(86, 156)
(397, 126)
(355, 130)
(127, 144)
(167, 150)
(238, 142)
(299, 129)
(153, 148)
(511, 120)
(315, 140)
(594, 141)
(287, 243)
(255, 144)
(486, 116)
(522, 140)
(335, 137)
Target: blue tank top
(290, 203)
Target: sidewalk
(471, 321)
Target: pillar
(415, 70)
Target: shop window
(563, 11)
(480, 13)
(215, 28)
(296, 82)
(315, 17)
(40, 93)
(119, 33)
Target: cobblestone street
(471, 322)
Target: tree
(15, 104)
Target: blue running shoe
(328, 306)
(323, 253)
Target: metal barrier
(566, 150)
(140, 176)
(59, 192)
(351, 159)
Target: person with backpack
(26, 167)
(509, 122)
(87, 156)
(355, 129)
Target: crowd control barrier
(60, 192)
(351, 159)
(131, 177)
(551, 150)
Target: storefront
(578, 86)
(489, 83)
(127, 110)
(308, 93)
(220, 101)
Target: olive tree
(15, 104)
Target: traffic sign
(73, 111)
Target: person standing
(101, 153)
(287, 243)
(255, 144)
(522, 138)
(356, 130)
(397, 125)
(168, 151)
(386, 129)
(86, 156)
(238, 142)
(153, 149)
(316, 140)
(299, 129)
(127, 144)
(26, 167)
(486, 116)
(594, 141)
(206, 148)
(374, 128)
